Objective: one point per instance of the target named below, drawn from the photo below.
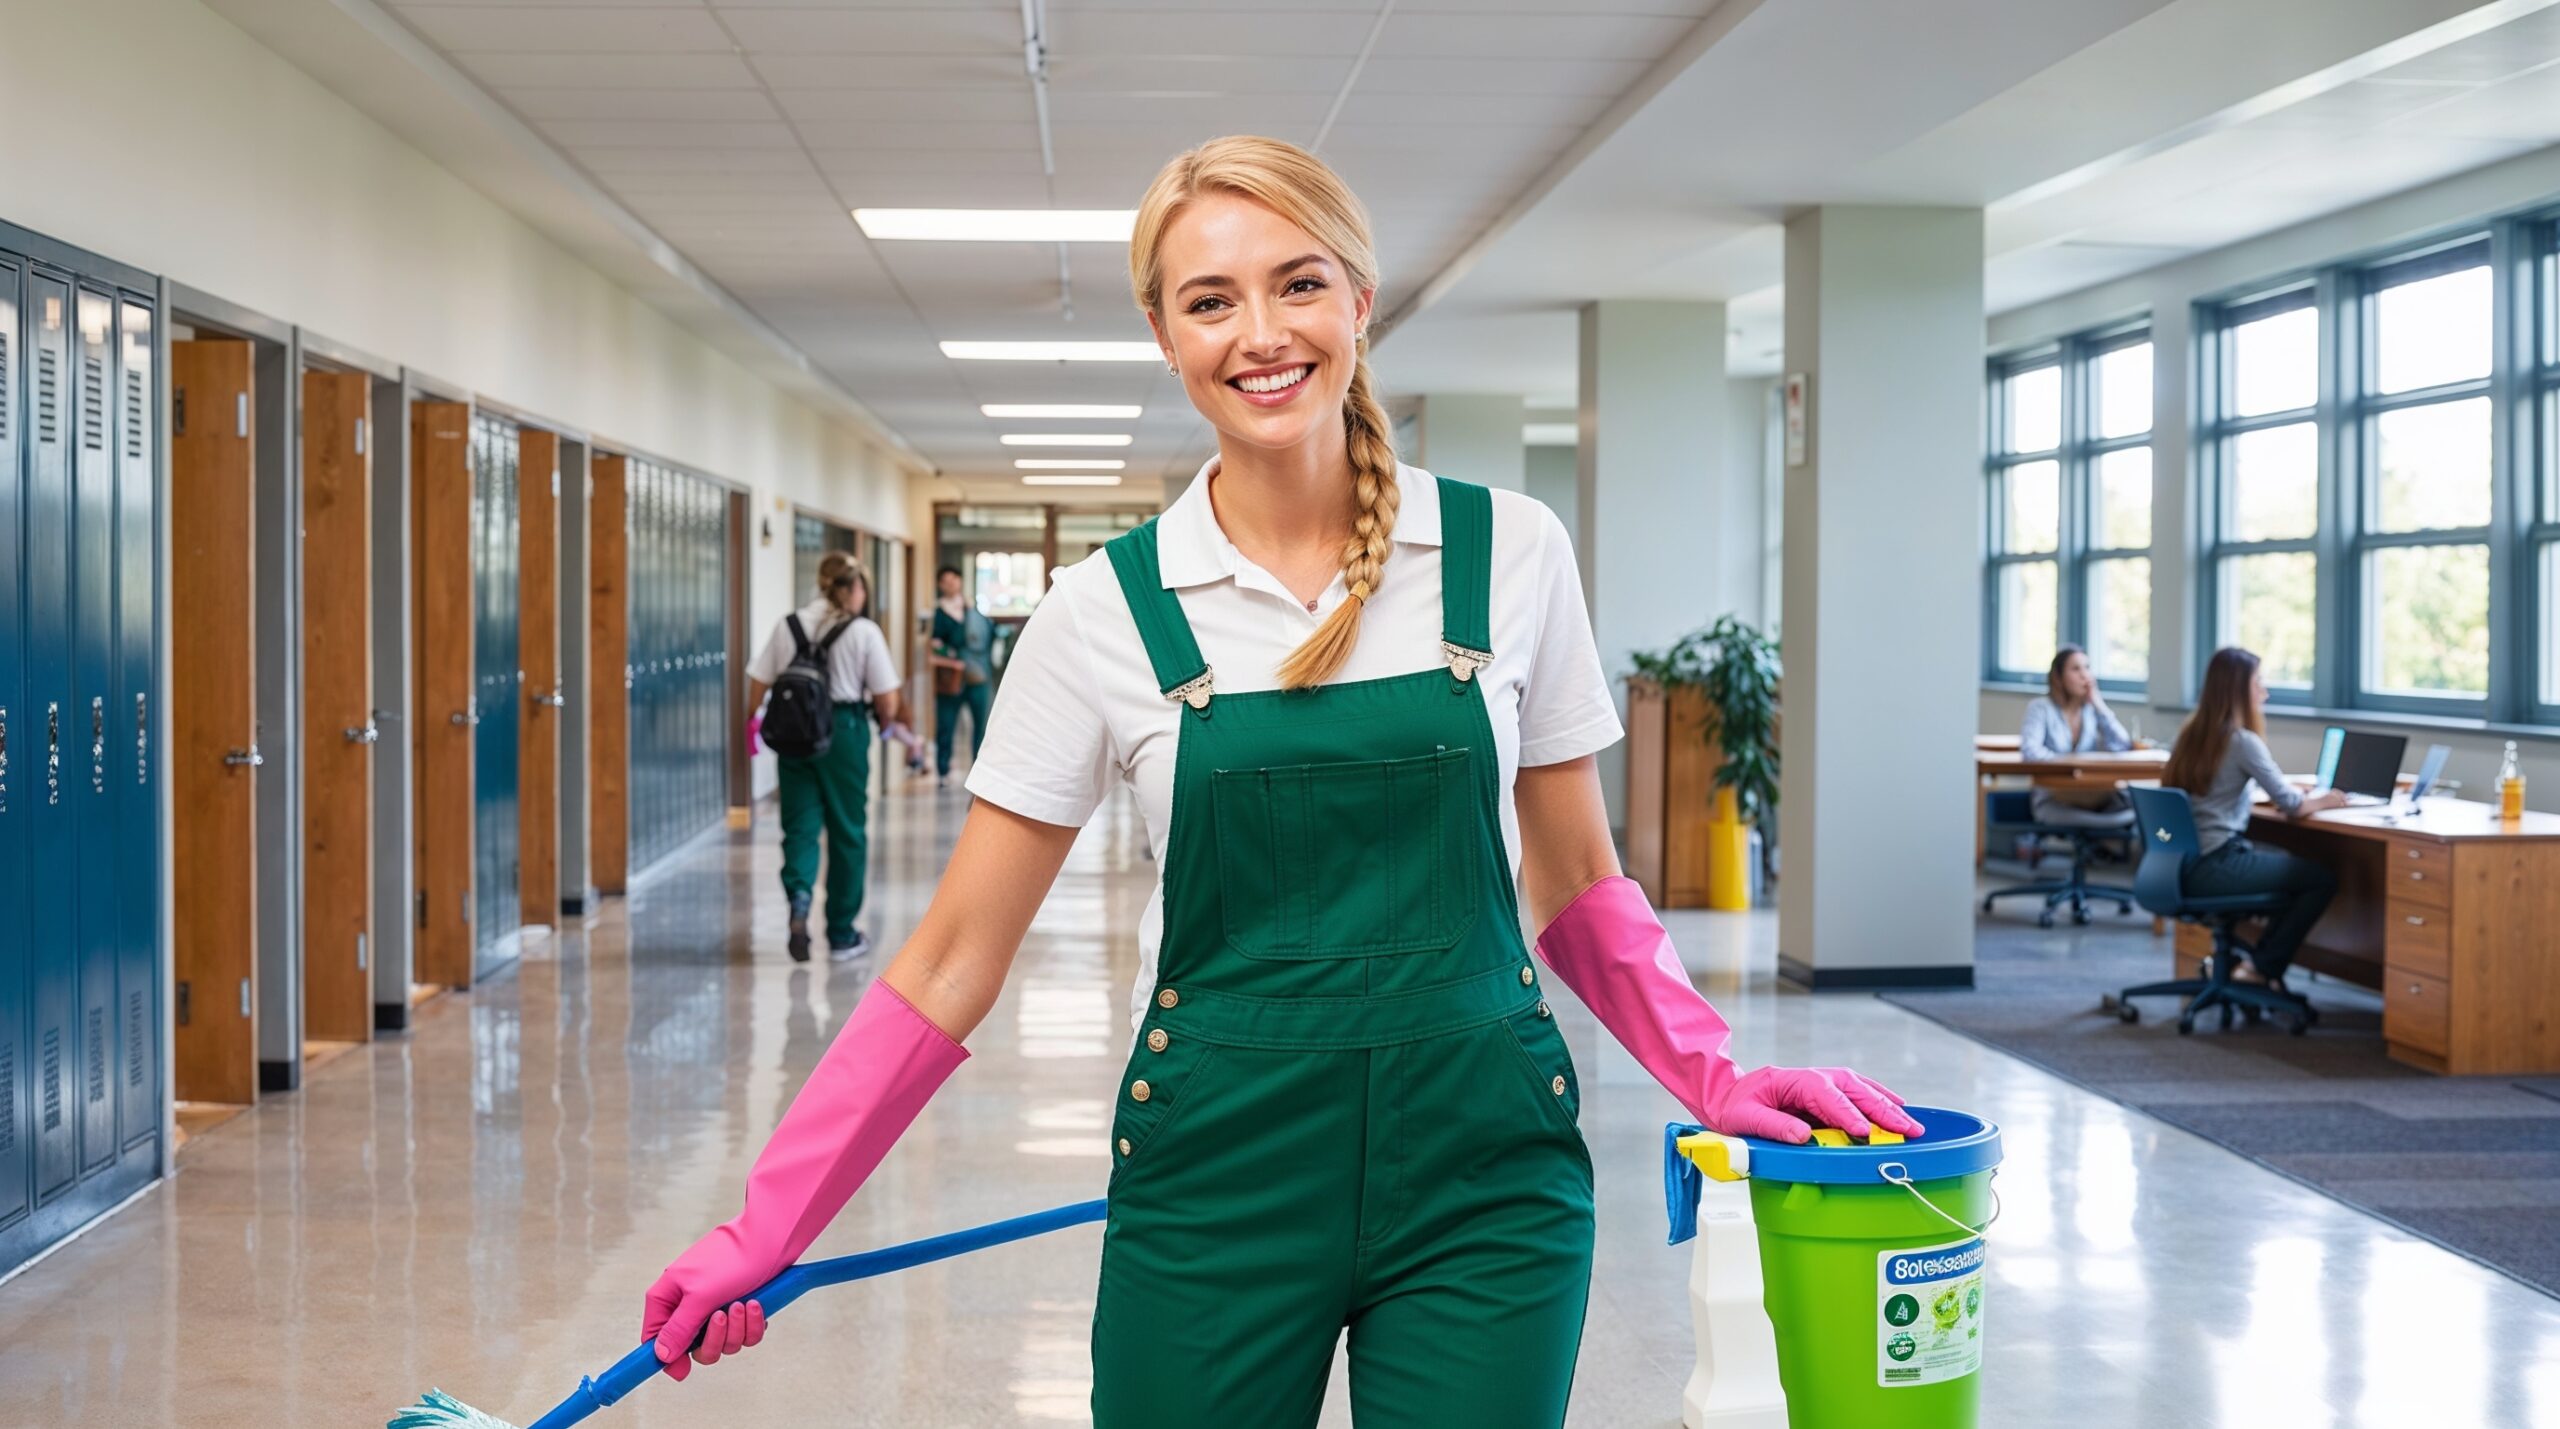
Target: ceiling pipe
(1035, 64)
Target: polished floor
(478, 1205)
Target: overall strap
(1180, 672)
(1466, 576)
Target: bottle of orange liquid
(2510, 788)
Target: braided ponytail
(1375, 497)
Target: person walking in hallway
(826, 787)
(964, 642)
(2220, 753)
(1357, 753)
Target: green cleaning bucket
(1871, 1261)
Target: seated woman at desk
(2069, 718)
(2220, 752)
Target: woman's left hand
(1774, 1103)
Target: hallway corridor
(478, 1205)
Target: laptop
(2369, 767)
(2330, 740)
(2430, 769)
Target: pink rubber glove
(755, 727)
(1608, 946)
(866, 1090)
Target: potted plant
(1703, 719)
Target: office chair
(2013, 811)
(2167, 823)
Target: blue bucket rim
(1955, 1144)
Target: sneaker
(849, 948)
(799, 944)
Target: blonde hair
(837, 569)
(1297, 186)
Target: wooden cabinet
(1671, 770)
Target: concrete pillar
(1473, 436)
(1883, 597)
(1651, 459)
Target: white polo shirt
(858, 666)
(1078, 711)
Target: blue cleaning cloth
(1682, 1182)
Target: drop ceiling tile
(1198, 73)
(1499, 76)
(1471, 140)
(851, 165)
(614, 163)
(945, 191)
(1389, 106)
(869, 72)
(2492, 55)
(994, 104)
(940, 30)
(1260, 33)
(1192, 112)
(608, 71)
(511, 29)
(594, 134)
(716, 106)
(2354, 107)
(2525, 107)
(1020, 135)
(1529, 37)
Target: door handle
(248, 758)
(554, 700)
(366, 733)
(466, 718)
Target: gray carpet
(2471, 1163)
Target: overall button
(1157, 1041)
(1557, 1086)
(1138, 1091)
(1528, 975)
(1124, 1146)
(1167, 998)
(1543, 1010)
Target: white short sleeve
(1565, 708)
(774, 658)
(1047, 754)
(879, 672)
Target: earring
(1170, 368)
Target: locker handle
(465, 718)
(365, 733)
(554, 700)
(248, 758)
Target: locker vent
(133, 433)
(8, 1097)
(97, 1054)
(134, 1016)
(5, 389)
(53, 1079)
(48, 396)
(93, 403)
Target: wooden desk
(2077, 771)
(2452, 914)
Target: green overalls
(831, 793)
(1348, 1105)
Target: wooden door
(337, 725)
(213, 720)
(538, 767)
(442, 722)
(609, 675)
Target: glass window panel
(2267, 606)
(2275, 484)
(2432, 465)
(2124, 391)
(2275, 363)
(2120, 618)
(2121, 515)
(2035, 410)
(2433, 331)
(2551, 623)
(2030, 617)
(2033, 523)
(1008, 582)
(2427, 620)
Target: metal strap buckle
(1464, 662)
(1195, 691)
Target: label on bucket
(1928, 1314)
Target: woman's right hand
(729, 1331)
(705, 1292)
(2320, 803)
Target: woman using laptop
(2220, 753)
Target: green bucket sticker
(1928, 1314)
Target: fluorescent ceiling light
(1065, 439)
(1062, 411)
(1551, 434)
(1071, 481)
(1053, 351)
(1052, 463)
(1000, 225)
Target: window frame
(2536, 458)
(2216, 337)
(2075, 456)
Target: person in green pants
(1357, 707)
(831, 793)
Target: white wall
(199, 154)
(2169, 294)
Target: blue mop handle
(641, 1365)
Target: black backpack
(800, 718)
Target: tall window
(2420, 430)
(2264, 447)
(2544, 532)
(2070, 507)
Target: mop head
(439, 1410)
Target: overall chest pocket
(1357, 860)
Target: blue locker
(101, 875)
(132, 759)
(52, 720)
(498, 681)
(17, 1191)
